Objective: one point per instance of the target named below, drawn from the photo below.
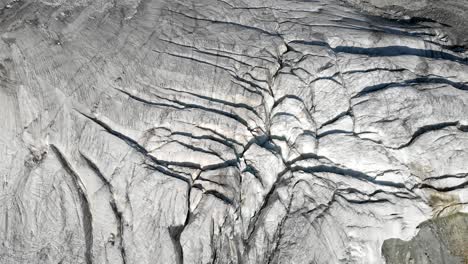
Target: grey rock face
(216, 131)
(443, 240)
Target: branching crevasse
(113, 204)
(87, 217)
(425, 129)
(279, 231)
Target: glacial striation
(224, 131)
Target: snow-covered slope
(220, 131)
